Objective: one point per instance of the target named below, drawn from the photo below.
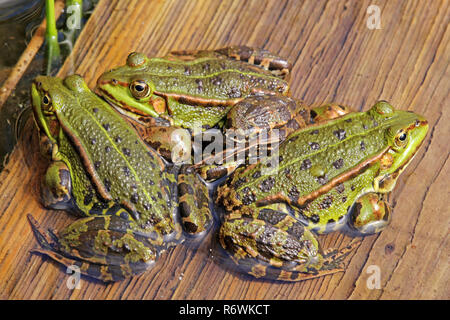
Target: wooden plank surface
(336, 57)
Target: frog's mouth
(123, 108)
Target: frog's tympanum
(329, 174)
(102, 170)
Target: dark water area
(18, 21)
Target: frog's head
(49, 95)
(405, 133)
(130, 88)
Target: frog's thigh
(103, 247)
(193, 196)
(278, 247)
(370, 213)
(56, 187)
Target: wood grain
(336, 58)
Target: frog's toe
(370, 214)
(103, 247)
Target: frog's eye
(46, 101)
(401, 139)
(139, 89)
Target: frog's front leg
(370, 214)
(276, 246)
(56, 187)
(103, 247)
(193, 196)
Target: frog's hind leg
(275, 246)
(103, 247)
(196, 217)
(262, 58)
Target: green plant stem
(51, 37)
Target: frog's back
(122, 168)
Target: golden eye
(401, 139)
(46, 100)
(139, 89)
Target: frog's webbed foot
(370, 214)
(193, 193)
(103, 247)
(280, 250)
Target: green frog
(190, 89)
(101, 170)
(327, 175)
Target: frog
(191, 89)
(330, 176)
(125, 194)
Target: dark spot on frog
(240, 181)
(106, 126)
(134, 198)
(327, 202)
(340, 134)
(306, 164)
(97, 164)
(151, 182)
(185, 188)
(389, 248)
(88, 198)
(95, 110)
(124, 215)
(322, 179)
(206, 67)
(352, 187)
(118, 139)
(348, 120)
(314, 218)
(344, 198)
(249, 197)
(187, 71)
(256, 174)
(314, 132)
(126, 151)
(340, 188)
(338, 163)
(363, 146)
(217, 81)
(267, 184)
(107, 184)
(271, 216)
(93, 141)
(159, 195)
(234, 93)
(293, 194)
(146, 206)
(107, 149)
(314, 145)
(296, 230)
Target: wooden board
(336, 58)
